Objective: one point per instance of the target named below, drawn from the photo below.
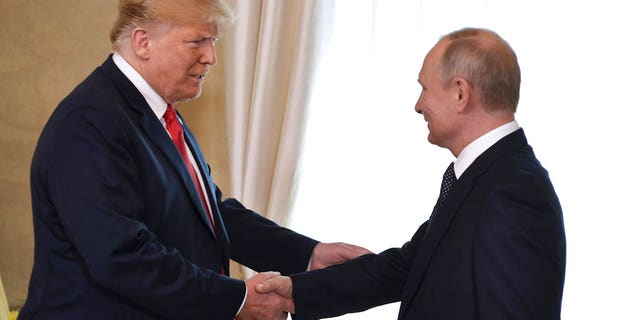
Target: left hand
(327, 254)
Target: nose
(418, 104)
(209, 54)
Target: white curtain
(269, 58)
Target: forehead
(209, 28)
(191, 29)
(430, 62)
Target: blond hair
(137, 13)
(487, 62)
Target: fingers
(327, 254)
(280, 285)
(289, 306)
(261, 279)
(266, 275)
(268, 305)
(352, 251)
(266, 287)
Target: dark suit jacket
(120, 232)
(494, 250)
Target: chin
(188, 97)
(432, 140)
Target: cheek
(176, 64)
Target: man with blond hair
(128, 222)
(494, 246)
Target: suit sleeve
(519, 252)
(91, 178)
(261, 244)
(357, 285)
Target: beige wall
(47, 47)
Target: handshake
(269, 296)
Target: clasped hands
(270, 295)
(263, 302)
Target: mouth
(199, 76)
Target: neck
(477, 128)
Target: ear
(462, 93)
(141, 43)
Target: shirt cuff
(246, 291)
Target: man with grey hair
(128, 222)
(494, 246)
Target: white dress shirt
(480, 145)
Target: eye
(202, 41)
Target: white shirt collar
(480, 145)
(155, 101)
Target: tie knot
(450, 173)
(170, 113)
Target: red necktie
(175, 130)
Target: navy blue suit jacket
(494, 250)
(120, 232)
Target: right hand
(264, 305)
(280, 284)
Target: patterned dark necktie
(448, 181)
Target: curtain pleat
(269, 61)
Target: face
(436, 102)
(178, 59)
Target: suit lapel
(221, 231)
(448, 211)
(432, 238)
(158, 135)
